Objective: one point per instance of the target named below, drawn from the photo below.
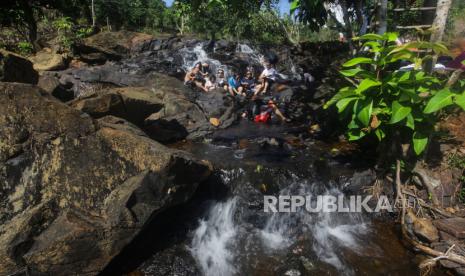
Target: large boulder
(109, 45)
(131, 103)
(51, 84)
(14, 68)
(45, 60)
(76, 191)
(187, 113)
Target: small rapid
(225, 244)
(213, 239)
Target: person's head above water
(220, 73)
(248, 74)
(198, 65)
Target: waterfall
(330, 231)
(223, 242)
(211, 245)
(191, 56)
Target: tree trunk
(93, 14)
(31, 22)
(439, 23)
(382, 16)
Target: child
(210, 84)
(221, 80)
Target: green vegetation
(390, 103)
(257, 21)
(25, 48)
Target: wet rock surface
(75, 191)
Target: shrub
(25, 48)
(383, 100)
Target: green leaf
(358, 60)
(439, 48)
(391, 37)
(410, 122)
(405, 76)
(367, 84)
(369, 37)
(399, 112)
(364, 115)
(374, 45)
(355, 134)
(351, 72)
(460, 100)
(380, 134)
(440, 100)
(295, 4)
(420, 140)
(343, 93)
(343, 103)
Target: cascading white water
(192, 56)
(211, 245)
(216, 244)
(244, 48)
(252, 55)
(329, 230)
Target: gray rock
(75, 192)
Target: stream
(225, 231)
(234, 236)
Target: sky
(283, 5)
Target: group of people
(243, 86)
(200, 76)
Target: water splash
(211, 245)
(329, 231)
(191, 56)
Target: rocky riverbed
(110, 165)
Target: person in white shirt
(210, 84)
(266, 79)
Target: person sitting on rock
(205, 69)
(221, 80)
(266, 79)
(458, 53)
(248, 83)
(210, 84)
(261, 111)
(234, 85)
(193, 78)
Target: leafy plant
(64, 26)
(383, 100)
(25, 48)
(84, 32)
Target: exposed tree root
(427, 265)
